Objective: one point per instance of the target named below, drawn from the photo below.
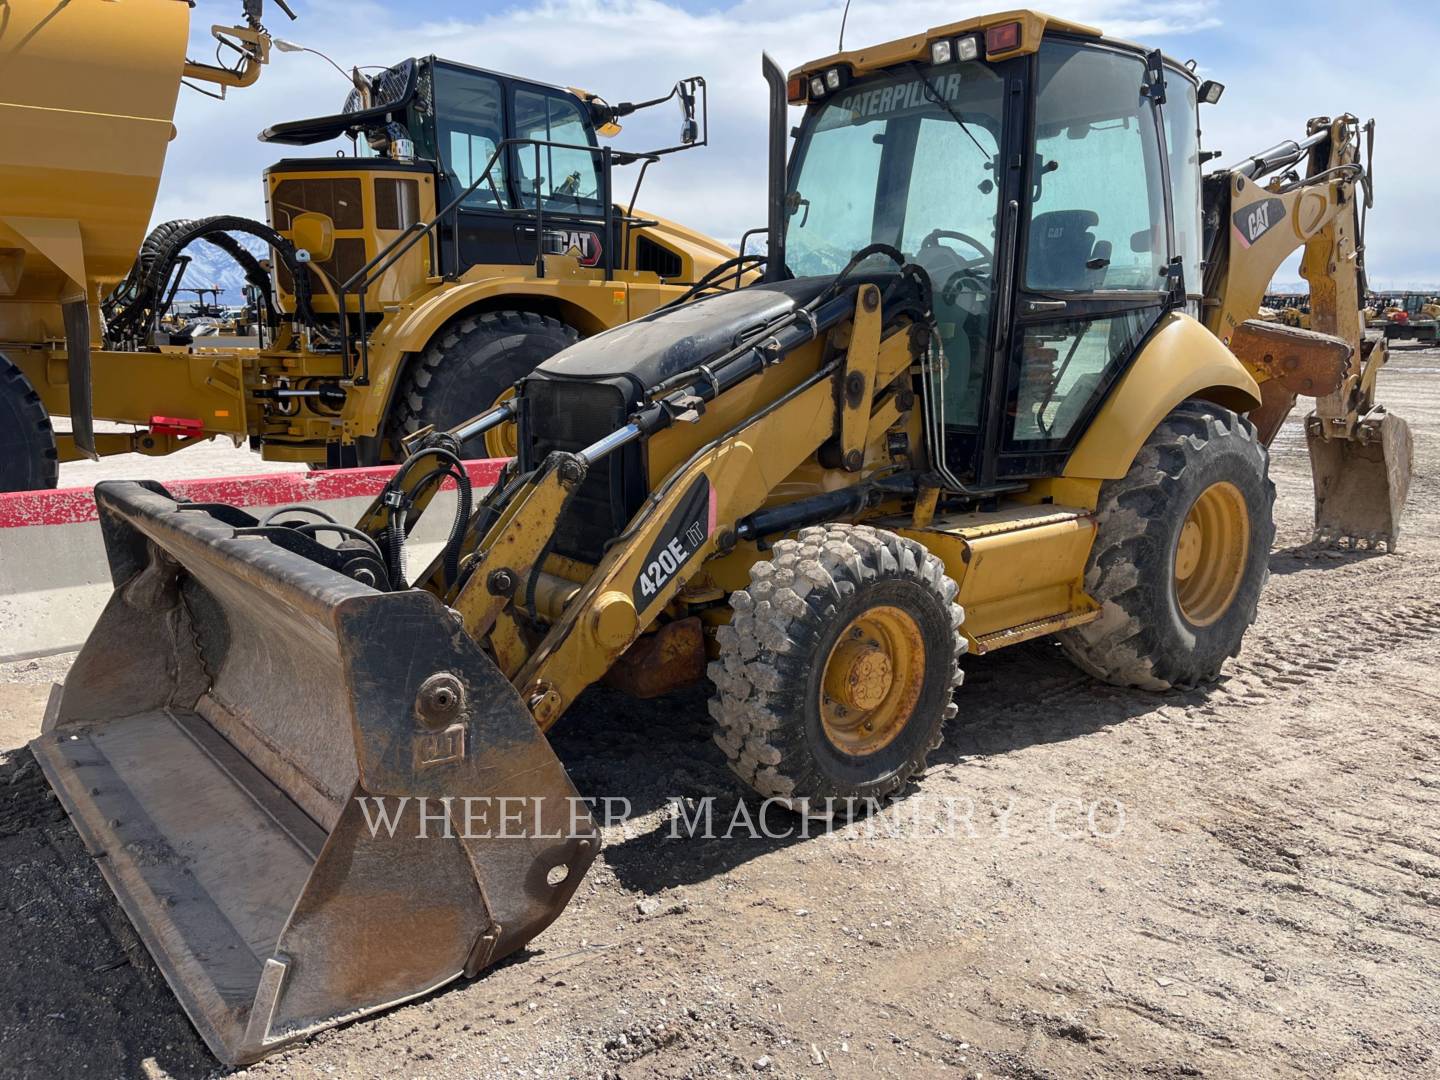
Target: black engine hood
(649, 350)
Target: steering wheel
(936, 235)
(970, 272)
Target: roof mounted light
(967, 48)
(817, 86)
(1210, 92)
(795, 90)
(832, 79)
(942, 51)
(1003, 38)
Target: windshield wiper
(931, 94)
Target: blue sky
(1281, 62)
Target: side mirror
(1140, 241)
(313, 233)
(689, 126)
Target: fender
(1180, 360)
(588, 305)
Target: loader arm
(691, 516)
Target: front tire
(473, 365)
(28, 457)
(1181, 554)
(837, 671)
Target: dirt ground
(1258, 893)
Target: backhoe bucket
(1361, 482)
(313, 800)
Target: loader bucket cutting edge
(213, 743)
(1361, 483)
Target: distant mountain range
(212, 268)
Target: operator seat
(1061, 246)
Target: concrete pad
(21, 707)
(55, 578)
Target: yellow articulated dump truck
(1001, 381)
(474, 231)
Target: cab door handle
(1041, 307)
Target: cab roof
(916, 47)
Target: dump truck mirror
(314, 233)
(1140, 241)
(689, 126)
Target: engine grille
(569, 416)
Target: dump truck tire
(28, 458)
(837, 671)
(1173, 609)
(470, 365)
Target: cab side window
(1097, 215)
(1182, 138)
(569, 179)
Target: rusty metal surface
(233, 706)
(672, 657)
(1361, 482)
(1288, 362)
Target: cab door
(1093, 259)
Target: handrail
(362, 279)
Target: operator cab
(1044, 173)
(448, 120)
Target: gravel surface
(1238, 882)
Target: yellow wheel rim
(1211, 553)
(504, 440)
(872, 680)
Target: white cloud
(631, 49)
(624, 50)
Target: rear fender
(1180, 360)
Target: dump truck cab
(423, 132)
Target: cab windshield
(909, 159)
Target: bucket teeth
(1361, 482)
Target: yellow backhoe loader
(474, 231)
(983, 395)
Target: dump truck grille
(347, 258)
(338, 199)
(658, 260)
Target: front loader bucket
(1361, 482)
(255, 748)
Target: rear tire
(1174, 609)
(798, 719)
(470, 366)
(28, 458)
